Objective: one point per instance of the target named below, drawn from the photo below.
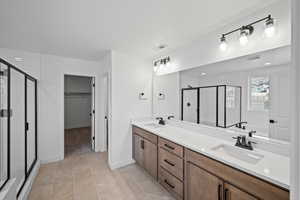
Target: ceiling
(87, 29)
(264, 59)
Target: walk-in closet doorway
(79, 114)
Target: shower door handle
(26, 126)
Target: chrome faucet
(161, 121)
(240, 125)
(241, 141)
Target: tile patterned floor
(77, 141)
(88, 177)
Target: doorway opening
(79, 117)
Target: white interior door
(105, 93)
(279, 108)
(190, 105)
(93, 139)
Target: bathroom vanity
(195, 166)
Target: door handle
(142, 144)
(169, 147)
(168, 162)
(272, 121)
(225, 193)
(169, 184)
(26, 126)
(219, 191)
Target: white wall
(78, 101)
(52, 101)
(295, 102)
(50, 70)
(168, 85)
(129, 77)
(206, 50)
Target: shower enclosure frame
(217, 103)
(27, 170)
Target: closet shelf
(77, 93)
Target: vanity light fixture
(247, 30)
(158, 64)
(223, 45)
(270, 27)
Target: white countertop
(272, 167)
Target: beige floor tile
(63, 191)
(87, 176)
(42, 192)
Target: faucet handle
(250, 134)
(170, 117)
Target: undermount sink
(238, 153)
(153, 125)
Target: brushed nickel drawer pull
(170, 147)
(168, 162)
(169, 184)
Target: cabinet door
(233, 193)
(150, 158)
(200, 184)
(138, 152)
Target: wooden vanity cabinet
(200, 184)
(203, 177)
(190, 175)
(171, 167)
(138, 152)
(233, 193)
(145, 150)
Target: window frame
(249, 88)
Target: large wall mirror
(250, 92)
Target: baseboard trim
(28, 185)
(56, 159)
(114, 166)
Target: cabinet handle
(219, 191)
(142, 144)
(225, 193)
(169, 184)
(168, 162)
(170, 147)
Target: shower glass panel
(30, 126)
(218, 105)
(221, 106)
(4, 134)
(208, 110)
(17, 92)
(190, 105)
(233, 105)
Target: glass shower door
(17, 92)
(30, 125)
(4, 133)
(190, 105)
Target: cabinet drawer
(171, 146)
(172, 184)
(145, 134)
(248, 183)
(171, 163)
